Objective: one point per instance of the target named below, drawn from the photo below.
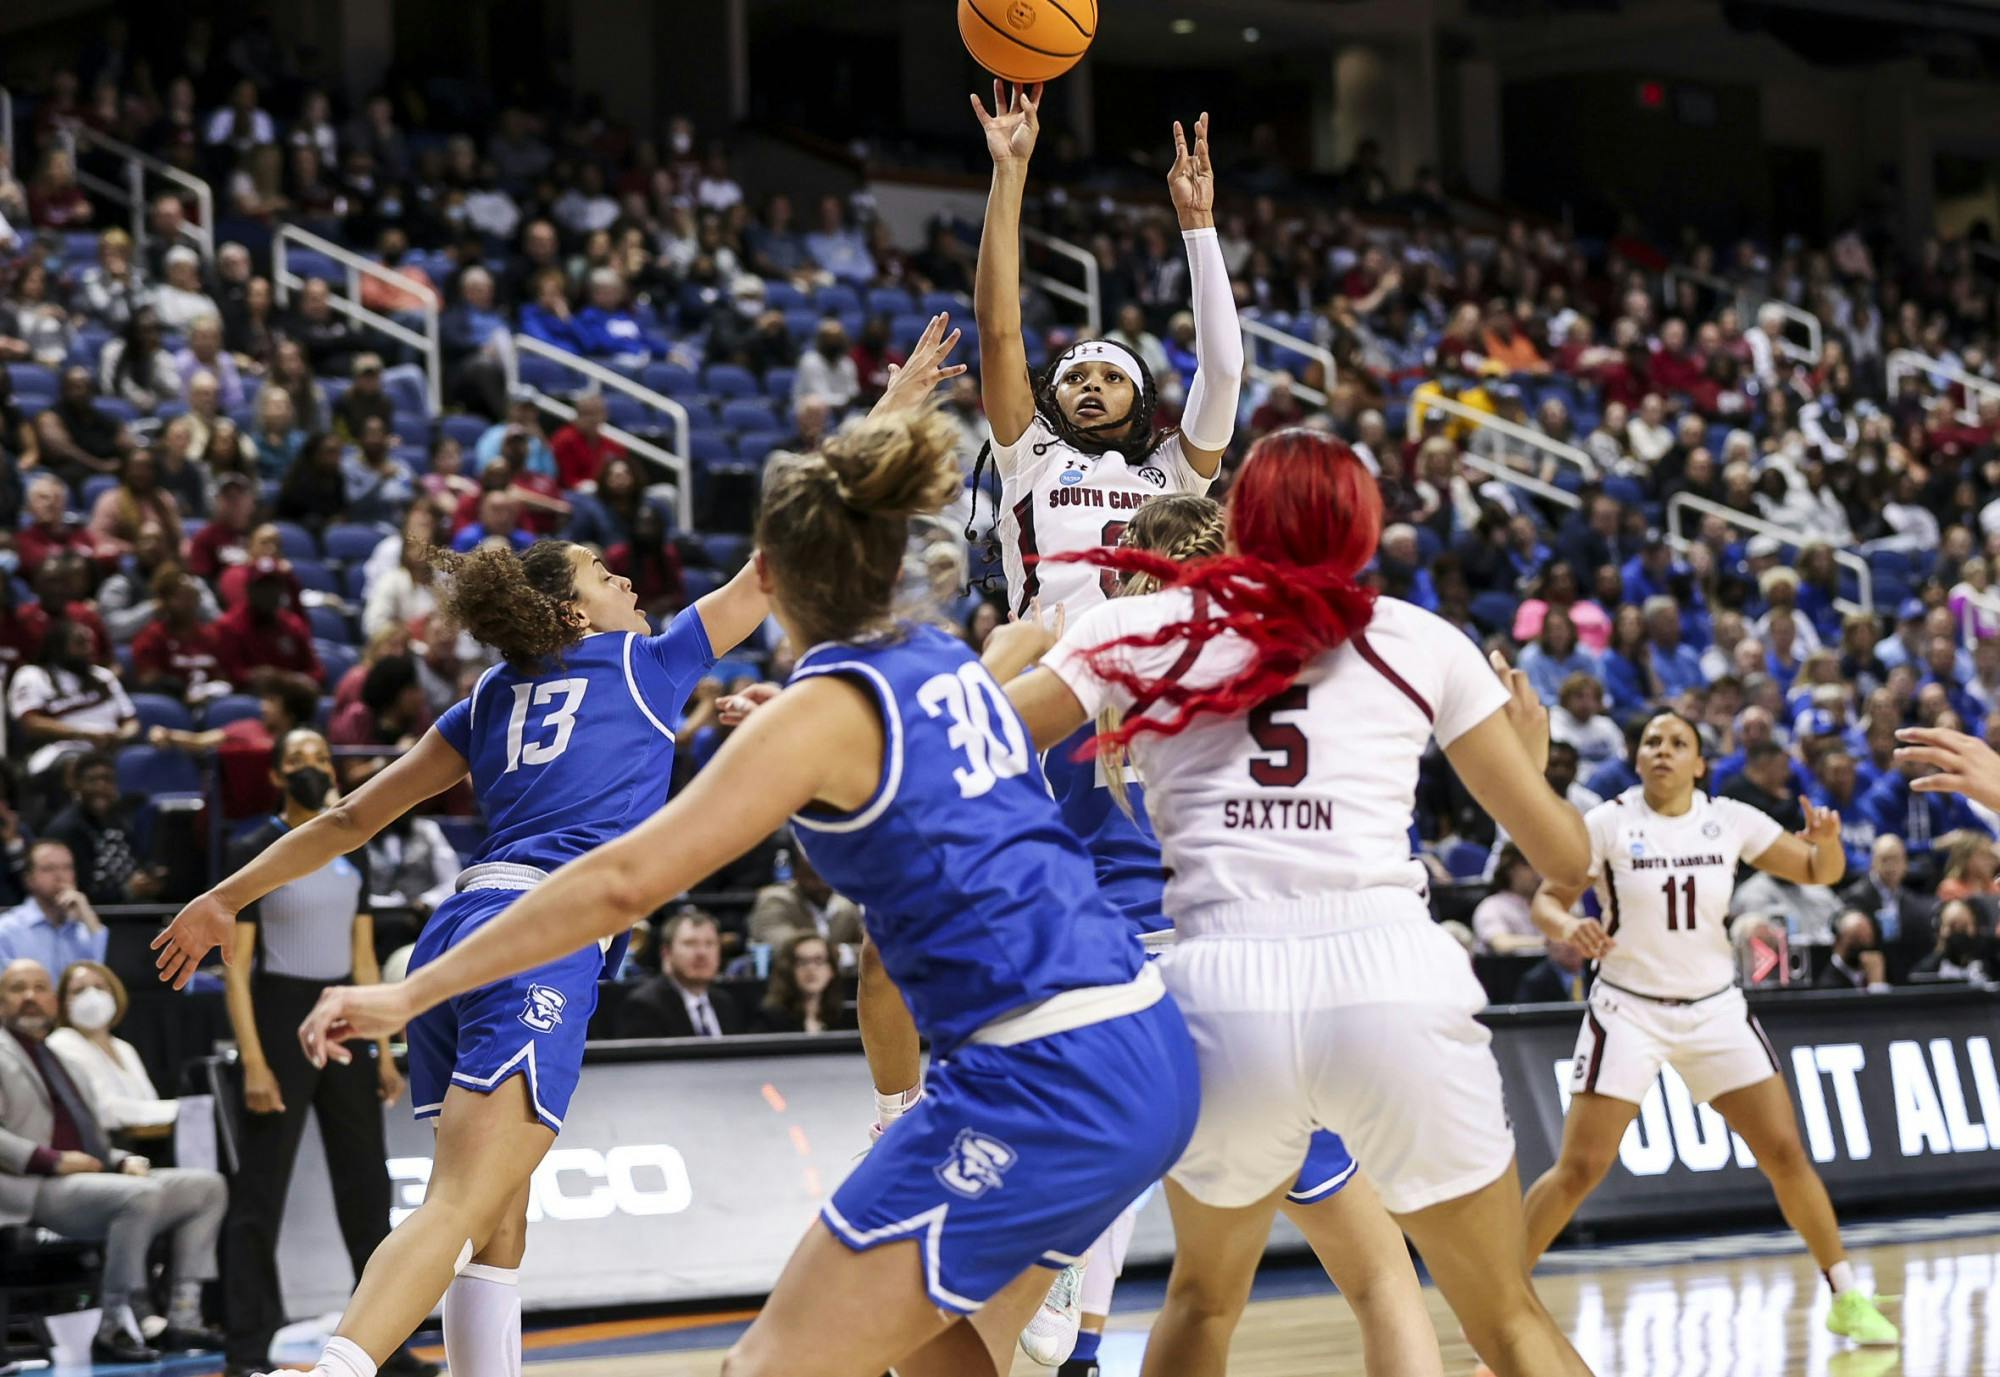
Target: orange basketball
(1026, 41)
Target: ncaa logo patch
(542, 1009)
(1072, 473)
(977, 1163)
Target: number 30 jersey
(1313, 790)
(978, 897)
(1664, 886)
(579, 752)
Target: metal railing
(1514, 478)
(1670, 281)
(1089, 296)
(425, 342)
(1559, 450)
(1747, 306)
(198, 232)
(1785, 535)
(677, 462)
(1987, 602)
(1254, 330)
(1810, 351)
(1903, 362)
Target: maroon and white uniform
(1667, 993)
(1320, 991)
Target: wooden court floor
(1723, 1309)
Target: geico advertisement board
(684, 1179)
(1897, 1096)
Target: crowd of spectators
(218, 504)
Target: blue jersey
(1123, 849)
(978, 896)
(578, 753)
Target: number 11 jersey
(1664, 886)
(580, 751)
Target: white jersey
(1664, 885)
(1310, 793)
(1055, 499)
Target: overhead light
(1182, 26)
(1251, 35)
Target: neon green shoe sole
(1855, 1317)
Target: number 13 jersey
(1664, 886)
(1310, 792)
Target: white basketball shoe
(1051, 1335)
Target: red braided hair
(1304, 518)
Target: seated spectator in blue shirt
(1626, 666)
(470, 326)
(1754, 727)
(1942, 667)
(775, 247)
(839, 248)
(1398, 564)
(1907, 645)
(1652, 572)
(1554, 655)
(1919, 819)
(1677, 667)
(1782, 655)
(499, 519)
(379, 486)
(606, 328)
(523, 416)
(55, 924)
(1836, 785)
(548, 317)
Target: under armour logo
(542, 1010)
(976, 1164)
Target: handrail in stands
(1740, 296)
(1902, 362)
(1533, 439)
(426, 342)
(199, 232)
(1261, 330)
(1089, 296)
(1514, 478)
(1788, 535)
(676, 462)
(1810, 352)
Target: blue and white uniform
(1040, 1009)
(563, 760)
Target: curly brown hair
(783, 994)
(834, 523)
(520, 605)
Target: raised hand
(733, 708)
(1525, 713)
(1965, 764)
(1191, 180)
(204, 924)
(1822, 826)
(916, 377)
(1011, 129)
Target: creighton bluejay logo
(976, 1164)
(542, 1010)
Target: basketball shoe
(1051, 1334)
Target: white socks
(344, 1358)
(482, 1322)
(1840, 1277)
(889, 1108)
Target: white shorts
(1364, 1027)
(1715, 1045)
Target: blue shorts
(1023, 1155)
(532, 1023)
(1327, 1169)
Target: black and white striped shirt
(305, 929)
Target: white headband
(1102, 350)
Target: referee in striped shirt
(303, 937)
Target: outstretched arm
(424, 771)
(1004, 386)
(1209, 418)
(912, 381)
(732, 612)
(757, 780)
(1812, 857)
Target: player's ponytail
(1183, 527)
(1303, 519)
(520, 605)
(833, 524)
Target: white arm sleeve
(1209, 418)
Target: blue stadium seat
(466, 430)
(890, 301)
(700, 582)
(783, 296)
(116, 409)
(313, 574)
(335, 658)
(725, 552)
(95, 487)
(32, 379)
(1629, 491)
(800, 322)
(414, 427)
(232, 707)
(730, 380)
(949, 302)
(546, 374)
(670, 378)
(629, 413)
(80, 246)
(755, 446)
(158, 710)
(151, 771)
(734, 668)
(296, 541)
(330, 624)
(335, 389)
(778, 384)
(354, 582)
(749, 413)
(309, 263)
(836, 300)
(1466, 860)
(906, 329)
(350, 543)
(710, 447)
(406, 391)
(1429, 544)
(1493, 610)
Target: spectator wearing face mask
(826, 371)
(1956, 956)
(90, 1002)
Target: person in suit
(1857, 962)
(1902, 916)
(1558, 978)
(680, 1002)
(806, 905)
(59, 1171)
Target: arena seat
(349, 542)
(232, 707)
(151, 771)
(159, 710)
